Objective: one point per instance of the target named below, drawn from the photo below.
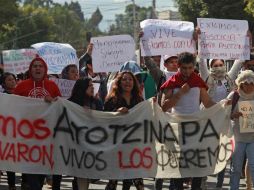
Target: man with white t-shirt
(182, 94)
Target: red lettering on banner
(33, 156)
(146, 152)
(143, 159)
(132, 158)
(11, 153)
(24, 128)
(48, 156)
(24, 153)
(5, 122)
(40, 125)
(23, 124)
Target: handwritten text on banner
(64, 138)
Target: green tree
(95, 18)
(124, 23)
(39, 3)
(226, 9)
(9, 16)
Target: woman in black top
(83, 95)
(124, 95)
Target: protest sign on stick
(111, 52)
(18, 61)
(246, 121)
(164, 37)
(223, 39)
(56, 55)
(65, 86)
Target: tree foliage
(226, 9)
(37, 21)
(124, 23)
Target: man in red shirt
(37, 86)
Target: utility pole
(134, 20)
(154, 15)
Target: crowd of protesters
(184, 86)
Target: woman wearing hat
(244, 142)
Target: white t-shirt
(220, 92)
(169, 74)
(188, 103)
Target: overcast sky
(111, 7)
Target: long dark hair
(66, 69)
(5, 75)
(117, 91)
(78, 94)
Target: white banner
(56, 55)
(223, 39)
(246, 121)
(164, 37)
(18, 61)
(64, 138)
(111, 52)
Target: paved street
(100, 185)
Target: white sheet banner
(246, 121)
(223, 39)
(18, 61)
(64, 138)
(164, 37)
(56, 55)
(111, 52)
(65, 86)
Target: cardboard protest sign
(64, 138)
(65, 86)
(246, 121)
(56, 55)
(223, 39)
(18, 61)
(164, 37)
(111, 52)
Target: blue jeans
(237, 162)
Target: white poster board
(65, 86)
(164, 37)
(56, 55)
(18, 61)
(223, 39)
(246, 121)
(111, 52)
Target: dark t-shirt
(113, 104)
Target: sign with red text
(56, 55)
(18, 61)
(64, 138)
(164, 37)
(246, 121)
(111, 52)
(223, 39)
